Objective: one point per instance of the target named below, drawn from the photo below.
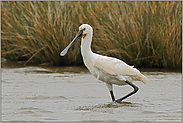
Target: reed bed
(144, 34)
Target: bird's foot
(118, 101)
(122, 102)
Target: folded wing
(115, 66)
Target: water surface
(34, 93)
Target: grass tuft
(144, 34)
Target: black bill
(64, 52)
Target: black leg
(112, 96)
(133, 92)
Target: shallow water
(72, 94)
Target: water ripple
(41, 97)
(32, 110)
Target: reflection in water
(31, 93)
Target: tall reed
(144, 34)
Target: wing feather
(115, 66)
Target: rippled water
(72, 94)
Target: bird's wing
(115, 66)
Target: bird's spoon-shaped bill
(64, 52)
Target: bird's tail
(144, 79)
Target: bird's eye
(84, 29)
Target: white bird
(107, 69)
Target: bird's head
(84, 30)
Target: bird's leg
(133, 92)
(109, 86)
(112, 95)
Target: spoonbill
(107, 69)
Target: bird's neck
(86, 44)
(86, 49)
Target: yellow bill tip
(62, 54)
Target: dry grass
(146, 34)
